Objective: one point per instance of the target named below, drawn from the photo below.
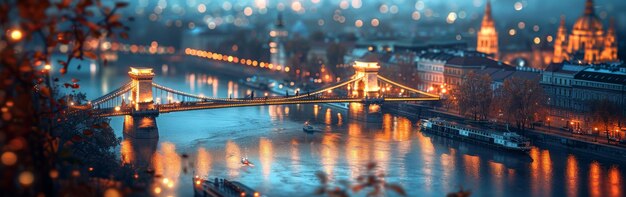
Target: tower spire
(589, 7)
(279, 20)
(487, 16)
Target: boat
(246, 162)
(308, 128)
(504, 140)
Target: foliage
(521, 101)
(460, 193)
(605, 112)
(372, 180)
(474, 96)
(34, 30)
(86, 140)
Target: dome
(588, 23)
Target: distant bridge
(142, 100)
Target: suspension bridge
(141, 99)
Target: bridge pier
(141, 126)
(366, 112)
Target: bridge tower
(141, 123)
(367, 68)
(368, 89)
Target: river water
(286, 159)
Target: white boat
(506, 140)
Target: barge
(503, 140)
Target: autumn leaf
(76, 138)
(121, 4)
(397, 188)
(90, 55)
(87, 132)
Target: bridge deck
(188, 106)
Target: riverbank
(606, 151)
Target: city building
(587, 42)
(278, 36)
(465, 62)
(487, 40)
(571, 87)
(438, 68)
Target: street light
(15, 34)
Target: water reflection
(203, 162)
(571, 170)
(329, 153)
(295, 156)
(167, 165)
(233, 156)
(615, 181)
(595, 175)
(266, 156)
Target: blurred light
(15, 34)
(356, 4)
(512, 32)
(296, 6)
(112, 192)
(393, 9)
(416, 15)
(247, 11)
(344, 4)
(518, 6)
(383, 8)
(358, 23)
(521, 25)
(227, 6)
(201, 8)
(537, 40)
(549, 38)
(48, 67)
(26, 178)
(9, 158)
(157, 190)
(261, 4)
(419, 5)
(375, 22)
(536, 28)
(451, 17)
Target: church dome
(588, 22)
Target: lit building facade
(571, 87)
(587, 40)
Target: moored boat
(506, 140)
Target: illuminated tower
(141, 123)
(277, 45)
(367, 67)
(609, 53)
(560, 43)
(487, 41)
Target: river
(286, 158)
